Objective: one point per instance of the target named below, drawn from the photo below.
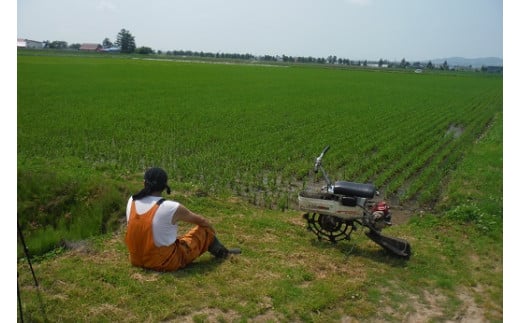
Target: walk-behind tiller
(333, 211)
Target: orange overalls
(144, 253)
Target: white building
(27, 43)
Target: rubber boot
(217, 249)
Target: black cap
(156, 179)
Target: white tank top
(164, 232)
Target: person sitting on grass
(152, 238)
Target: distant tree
(445, 66)
(74, 46)
(144, 50)
(380, 63)
(125, 41)
(365, 63)
(107, 43)
(332, 59)
(429, 65)
(404, 63)
(58, 44)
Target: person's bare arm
(183, 214)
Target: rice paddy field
(247, 127)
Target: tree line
(125, 43)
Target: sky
(354, 29)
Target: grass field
(238, 142)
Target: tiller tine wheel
(399, 247)
(328, 227)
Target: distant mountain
(474, 62)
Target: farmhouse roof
(87, 46)
(111, 49)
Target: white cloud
(106, 6)
(360, 2)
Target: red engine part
(381, 206)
